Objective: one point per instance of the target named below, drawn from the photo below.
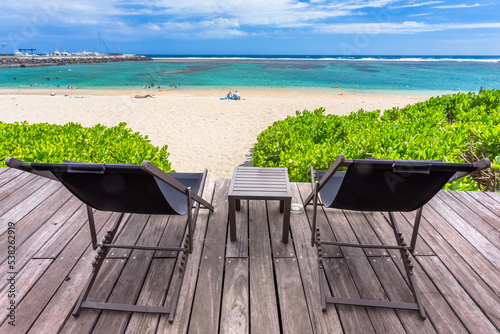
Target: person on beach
(143, 96)
(229, 96)
(236, 95)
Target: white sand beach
(200, 129)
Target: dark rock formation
(31, 61)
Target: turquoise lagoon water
(368, 74)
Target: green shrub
(55, 143)
(454, 128)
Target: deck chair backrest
(118, 187)
(389, 185)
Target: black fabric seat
(123, 188)
(127, 188)
(382, 185)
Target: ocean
(409, 75)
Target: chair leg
(93, 235)
(189, 221)
(96, 266)
(405, 257)
(99, 257)
(416, 226)
(178, 286)
(315, 208)
(320, 271)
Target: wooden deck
(257, 284)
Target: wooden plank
(24, 280)
(26, 250)
(322, 322)
(458, 298)
(9, 175)
(488, 202)
(292, 301)
(239, 248)
(364, 233)
(54, 245)
(52, 312)
(471, 270)
(438, 311)
(12, 185)
(207, 299)
(57, 314)
(38, 226)
(354, 319)
(485, 212)
(383, 320)
(275, 219)
(398, 290)
(152, 294)
(128, 287)
(321, 221)
(461, 247)
(186, 296)
(421, 247)
(15, 194)
(30, 307)
(263, 304)
(473, 219)
(173, 235)
(25, 205)
(494, 195)
(385, 232)
(235, 313)
(129, 234)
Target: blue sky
(349, 27)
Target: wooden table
(260, 183)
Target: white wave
(340, 58)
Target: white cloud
(407, 27)
(460, 6)
(224, 18)
(418, 4)
(221, 34)
(153, 26)
(421, 14)
(220, 22)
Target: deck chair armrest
(311, 194)
(200, 200)
(26, 166)
(157, 172)
(479, 165)
(339, 162)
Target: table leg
(237, 204)
(232, 218)
(287, 204)
(282, 206)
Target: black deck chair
(382, 185)
(127, 188)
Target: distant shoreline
(217, 90)
(38, 61)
